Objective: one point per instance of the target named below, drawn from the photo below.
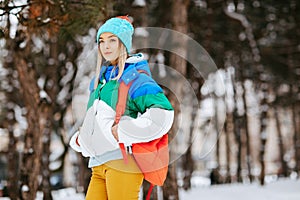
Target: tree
(179, 23)
(44, 92)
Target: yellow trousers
(115, 180)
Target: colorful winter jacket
(148, 114)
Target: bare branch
(248, 30)
(6, 9)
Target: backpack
(151, 157)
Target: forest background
(237, 122)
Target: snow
(25, 188)
(41, 82)
(140, 31)
(67, 194)
(22, 122)
(44, 95)
(285, 189)
(140, 3)
(282, 189)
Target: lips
(107, 53)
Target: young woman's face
(109, 46)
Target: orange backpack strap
(120, 109)
(122, 98)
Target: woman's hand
(114, 131)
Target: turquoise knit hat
(119, 26)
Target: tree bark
(228, 126)
(13, 158)
(237, 131)
(296, 120)
(263, 129)
(284, 168)
(45, 162)
(52, 76)
(31, 163)
(38, 116)
(216, 171)
(188, 161)
(262, 79)
(9, 122)
(246, 127)
(179, 23)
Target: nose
(106, 45)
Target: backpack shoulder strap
(120, 109)
(122, 98)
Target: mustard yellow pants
(115, 180)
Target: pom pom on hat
(121, 27)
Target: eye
(113, 40)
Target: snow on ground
(284, 189)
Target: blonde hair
(121, 63)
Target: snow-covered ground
(284, 189)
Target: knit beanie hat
(119, 26)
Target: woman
(148, 114)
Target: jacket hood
(134, 58)
(133, 65)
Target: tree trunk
(9, 122)
(263, 129)
(37, 138)
(296, 119)
(284, 168)
(246, 128)
(39, 123)
(31, 163)
(188, 162)
(237, 131)
(179, 23)
(84, 174)
(170, 187)
(45, 171)
(216, 124)
(51, 74)
(13, 158)
(228, 129)
(218, 139)
(262, 78)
